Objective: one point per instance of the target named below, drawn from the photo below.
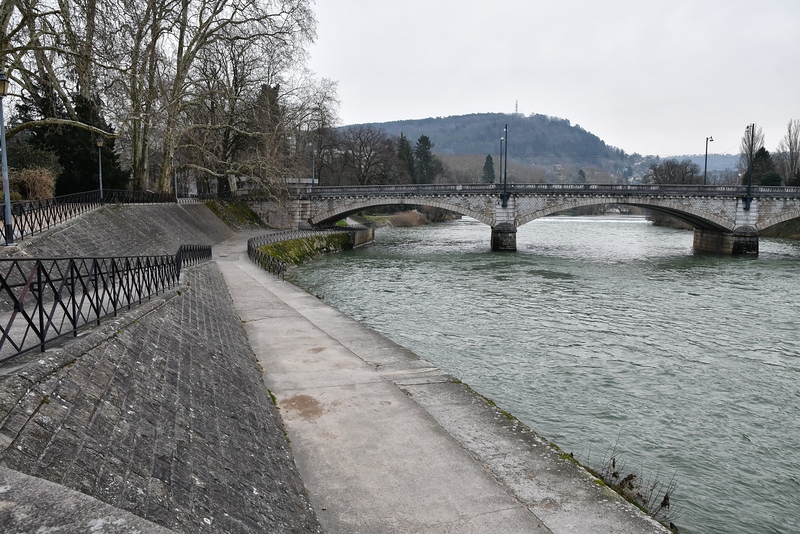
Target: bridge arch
(690, 213)
(337, 213)
(698, 218)
(778, 218)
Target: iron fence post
(94, 278)
(40, 303)
(74, 303)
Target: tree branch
(60, 122)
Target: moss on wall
(298, 251)
(235, 213)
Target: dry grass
(33, 183)
(647, 492)
(409, 219)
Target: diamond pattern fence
(42, 300)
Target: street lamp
(505, 168)
(751, 130)
(100, 165)
(705, 165)
(502, 139)
(9, 226)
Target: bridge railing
(272, 264)
(42, 300)
(514, 188)
(31, 216)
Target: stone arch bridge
(726, 219)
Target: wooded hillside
(533, 140)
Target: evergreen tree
(406, 155)
(771, 178)
(426, 165)
(762, 167)
(423, 156)
(75, 148)
(488, 170)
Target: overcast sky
(652, 77)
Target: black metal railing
(272, 264)
(189, 255)
(31, 216)
(42, 300)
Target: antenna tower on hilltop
(516, 107)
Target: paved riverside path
(386, 442)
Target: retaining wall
(162, 411)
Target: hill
(532, 140)
(540, 149)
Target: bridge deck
(551, 189)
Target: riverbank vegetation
(645, 492)
(408, 219)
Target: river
(610, 337)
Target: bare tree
(752, 140)
(49, 51)
(247, 121)
(147, 62)
(369, 154)
(788, 153)
(201, 23)
(672, 171)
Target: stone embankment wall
(362, 237)
(128, 230)
(162, 411)
(300, 250)
(276, 213)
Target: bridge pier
(504, 237)
(743, 241)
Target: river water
(608, 336)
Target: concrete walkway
(386, 442)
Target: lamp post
(751, 130)
(705, 165)
(9, 225)
(502, 139)
(505, 168)
(100, 165)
